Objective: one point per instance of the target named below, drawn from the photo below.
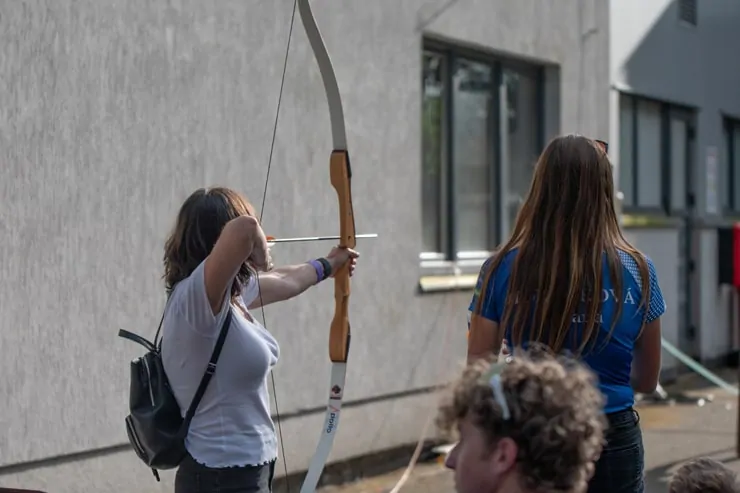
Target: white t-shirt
(232, 425)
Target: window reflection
(649, 154)
(626, 151)
(521, 133)
(433, 152)
(731, 166)
(727, 169)
(481, 133)
(679, 165)
(648, 144)
(472, 154)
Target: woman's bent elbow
(231, 250)
(645, 385)
(243, 228)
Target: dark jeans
(193, 477)
(620, 467)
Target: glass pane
(626, 157)
(678, 164)
(725, 164)
(520, 118)
(472, 154)
(648, 154)
(432, 152)
(736, 165)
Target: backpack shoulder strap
(158, 344)
(153, 347)
(210, 370)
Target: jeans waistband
(624, 416)
(190, 462)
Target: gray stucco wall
(655, 55)
(112, 112)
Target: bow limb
(341, 175)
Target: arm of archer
(284, 283)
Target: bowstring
(262, 212)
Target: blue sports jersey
(610, 359)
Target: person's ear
(504, 456)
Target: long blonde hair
(566, 225)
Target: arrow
(272, 239)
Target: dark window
(687, 11)
(481, 134)
(472, 155)
(433, 172)
(656, 149)
(731, 167)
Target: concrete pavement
(672, 434)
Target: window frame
(450, 260)
(669, 111)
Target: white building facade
(113, 112)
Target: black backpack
(155, 427)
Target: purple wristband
(319, 270)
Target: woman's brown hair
(562, 232)
(199, 224)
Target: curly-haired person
(531, 425)
(704, 475)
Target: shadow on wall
(674, 60)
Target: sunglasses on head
(603, 145)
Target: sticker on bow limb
(336, 391)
